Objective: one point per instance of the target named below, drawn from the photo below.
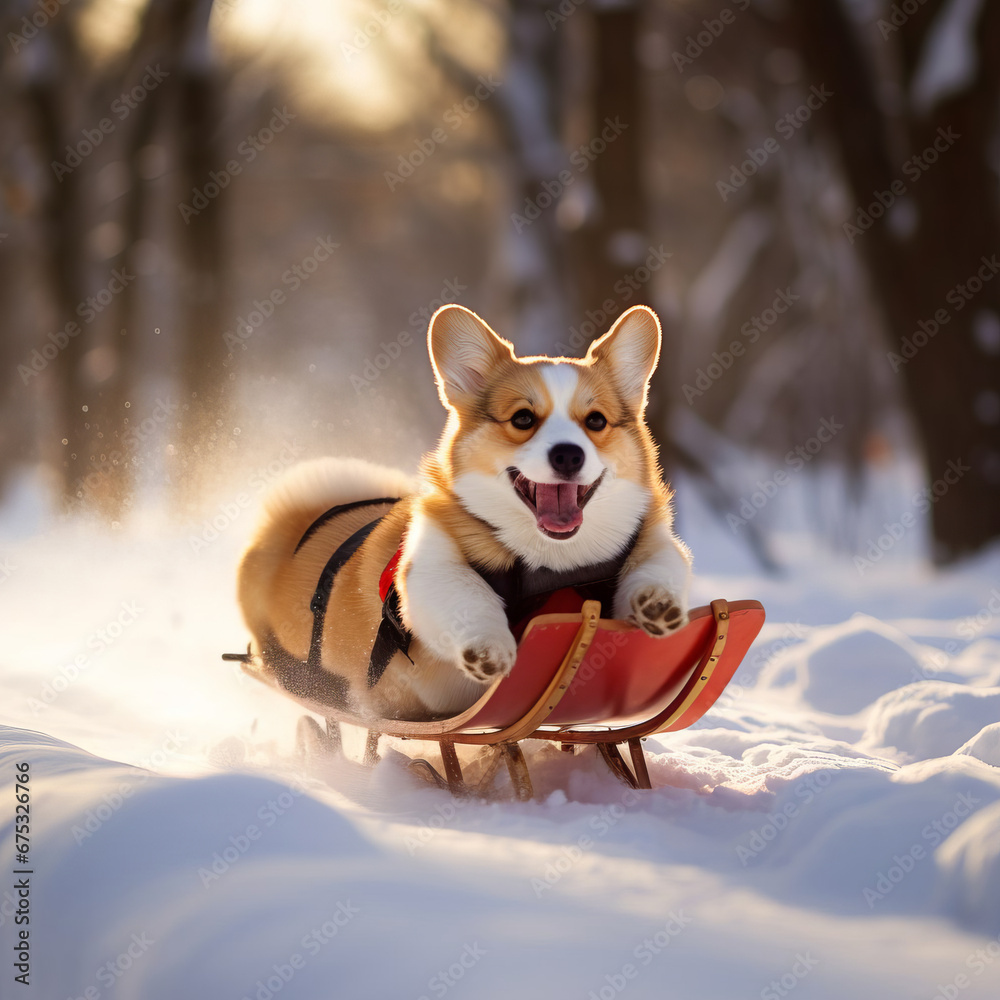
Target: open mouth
(558, 507)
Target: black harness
(343, 552)
(523, 590)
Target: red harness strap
(388, 576)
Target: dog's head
(552, 453)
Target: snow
(985, 745)
(844, 668)
(831, 828)
(948, 63)
(931, 719)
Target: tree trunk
(49, 97)
(158, 45)
(205, 360)
(534, 248)
(941, 306)
(613, 240)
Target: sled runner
(578, 679)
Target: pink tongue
(556, 506)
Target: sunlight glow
(363, 63)
(109, 27)
(336, 59)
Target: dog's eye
(523, 420)
(596, 421)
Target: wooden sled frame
(502, 716)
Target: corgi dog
(400, 599)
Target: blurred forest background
(224, 225)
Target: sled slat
(583, 679)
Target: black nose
(566, 459)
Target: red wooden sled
(578, 679)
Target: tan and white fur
(546, 461)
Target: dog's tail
(290, 506)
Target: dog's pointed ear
(631, 349)
(463, 351)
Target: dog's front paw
(656, 611)
(487, 659)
